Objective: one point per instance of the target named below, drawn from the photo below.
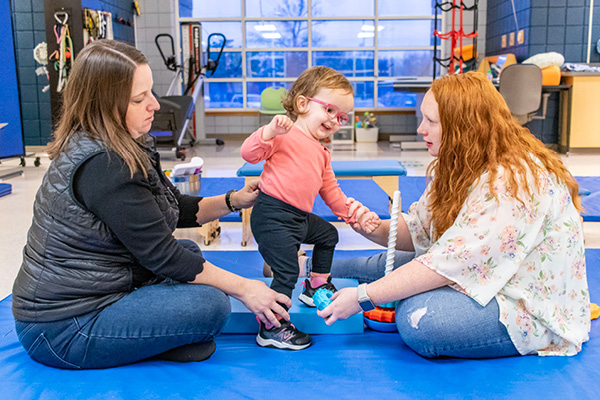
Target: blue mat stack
(5, 189)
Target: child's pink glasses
(333, 111)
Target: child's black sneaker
(286, 337)
(307, 294)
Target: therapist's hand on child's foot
(265, 302)
(279, 125)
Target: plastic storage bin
(187, 184)
(367, 135)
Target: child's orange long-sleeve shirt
(297, 168)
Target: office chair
(521, 87)
(271, 100)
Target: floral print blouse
(529, 257)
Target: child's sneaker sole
(274, 344)
(308, 301)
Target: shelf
(345, 135)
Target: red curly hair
(479, 134)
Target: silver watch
(363, 298)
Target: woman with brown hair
(103, 281)
(499, 265)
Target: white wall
(157, 16)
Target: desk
(584, 118)
(564, 104)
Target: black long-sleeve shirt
(127, 206)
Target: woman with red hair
(499, 266)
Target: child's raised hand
(279, 125)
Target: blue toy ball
(322, 298)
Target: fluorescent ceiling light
(265, 27)
(271, 35)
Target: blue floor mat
(364, 190)
(412, 187)
(372, 365)
(591, 201)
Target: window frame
(310, 49)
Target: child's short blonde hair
(310, 82)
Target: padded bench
(384, 172)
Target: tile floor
(222, 161)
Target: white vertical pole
(589, 49)
(391, 248)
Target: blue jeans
(440, 322)
(146, 322)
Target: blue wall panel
(28, 18)
(11, 135)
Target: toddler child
(297, 168)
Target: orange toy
(594, 310)
(381, 314)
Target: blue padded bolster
(343, 168)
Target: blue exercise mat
(372, 365)
(217, 186)
(5, 189)
(412, 187)
(589, 188)
(364, 190)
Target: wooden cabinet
(585, 106)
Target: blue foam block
(303, 317)
(343, 168)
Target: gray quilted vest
(72, 263)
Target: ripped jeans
(440, 322)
